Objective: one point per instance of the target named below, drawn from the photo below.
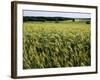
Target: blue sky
(56, 14)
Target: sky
(56, 14)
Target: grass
(50, 44)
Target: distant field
(50, 44)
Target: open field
(50, 44)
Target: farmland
(51, 45)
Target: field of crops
(50, 44)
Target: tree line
(43, 19)
(55, 19)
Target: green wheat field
(54, 45)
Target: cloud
(56, 14)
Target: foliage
(43, 19)
(49, 45)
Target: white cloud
(56, 14)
